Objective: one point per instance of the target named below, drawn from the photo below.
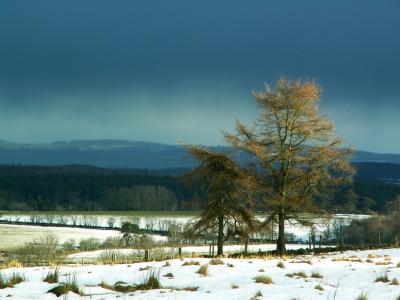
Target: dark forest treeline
(92, 188)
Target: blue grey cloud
(170, 70)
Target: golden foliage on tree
(295, 148)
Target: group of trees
(296, 156)
(88, 188)
(84, 188)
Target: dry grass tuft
(263, 279)
(299, 274)
(191, 263)
(203, 270)
(216, 261)
(280, 264)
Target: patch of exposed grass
(347, 259)
(71, 285)
(216, 261)
(105, 285)
(263, 279)
(230, 265)
(190, 288)
(203, 270)
(319, 287)
(299, 274)
(362, 296)
(52, 276)
(394, 282)
(151, 281)
(191, 263)
(169, 275)
(382, 278)
(316, 274)
(280, 264)
(261, 270)
(234, 286)
(167, 264)
(145, 268)
(256, 296)
(3, 282)
(14, 279)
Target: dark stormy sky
(167, 71)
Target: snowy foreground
(346, 274)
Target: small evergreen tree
(225, 185)
(127, 230)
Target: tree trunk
(220, 250)
(280, 243)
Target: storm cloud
(178, 70)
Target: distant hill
(123, 154)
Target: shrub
(203, 270)
(167, 264)
(280, 264)
(256, 296)
(13, 280)
(319, 287)
(300, 274)
(52, 276)
(362, 296)
(394, 282)
(3, 282)
(145, 268)
(230, 265)
(89, 244)
(190, 288)
(43, 250)
(71, 285)
(382, 278)
(263, 279)
(69, 245)
(216, 261)
(151, 281)
(316, 274)
(169, 275)
(234, 286)
(261, 270)
(191, 263)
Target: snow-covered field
(161, 221)
(16, 235)
(88, 256)
(344, 276)
(12, 236)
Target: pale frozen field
(161, 222)
(12, 236)
(347, 279)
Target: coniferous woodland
(89, 188)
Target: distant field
(106, 213)
(12, 236)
